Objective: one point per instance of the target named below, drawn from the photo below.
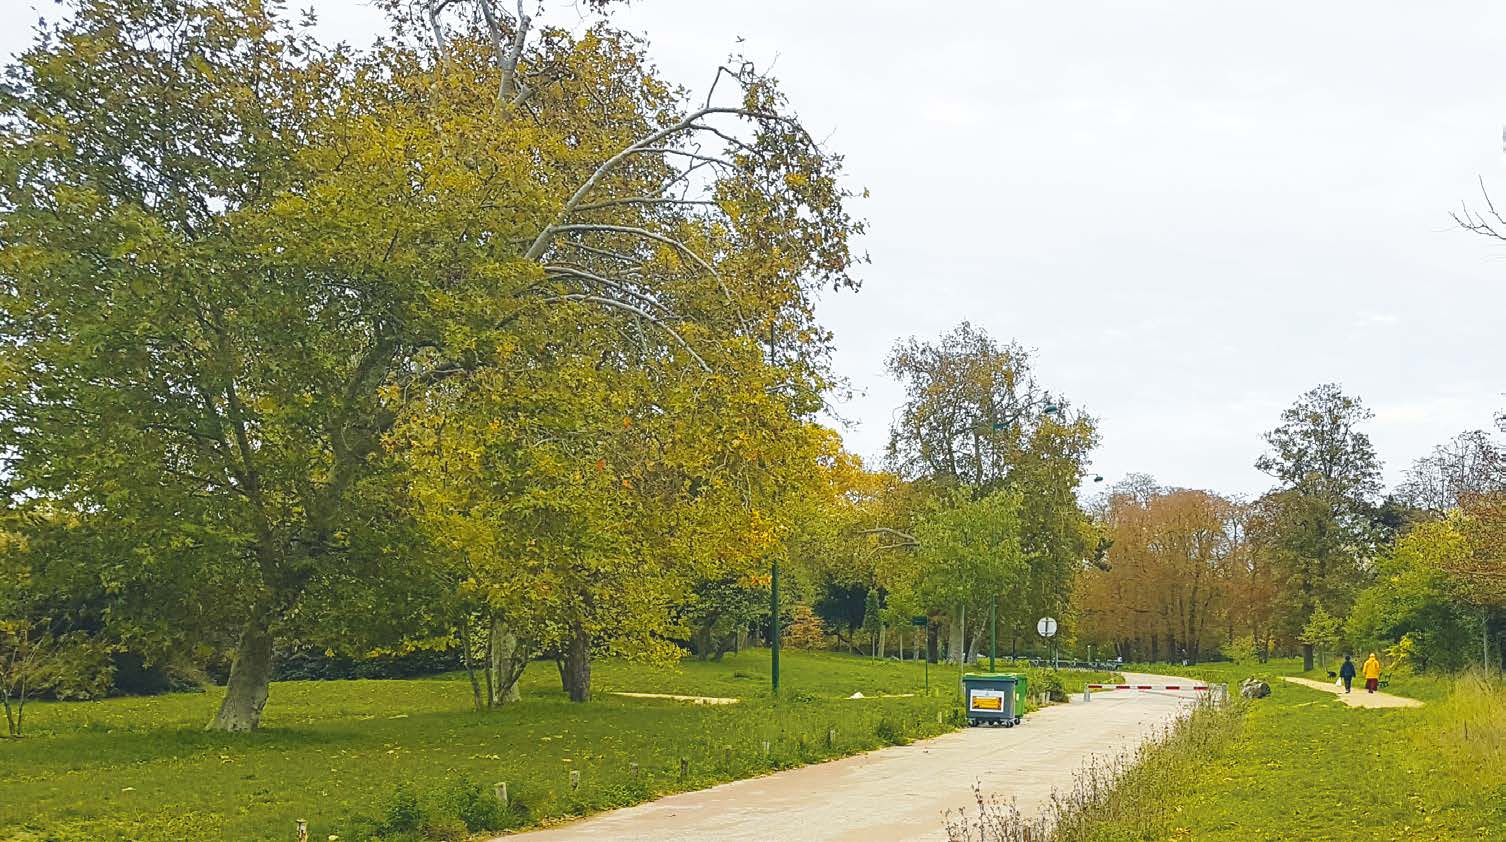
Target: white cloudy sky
(1192, 211)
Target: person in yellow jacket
(1372, 674)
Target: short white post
(303, 830)
(574, 779)
(1087, 693)
(500, 790)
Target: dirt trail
(1359, 698)
(899, 793)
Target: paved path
(899, 793)
(1359, 698)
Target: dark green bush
(470, 803)
(403, 813)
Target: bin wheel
(1009, 723)
(972, 723)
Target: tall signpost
(1046, 628)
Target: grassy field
(1301, 765)
(410, 759)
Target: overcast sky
(1192, 211)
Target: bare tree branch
(689, 122)
(658, 238)
(615, 255)
(557, 270)
(646, 200)
(907, 540)
(640, 313)
(434, 8)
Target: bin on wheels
(1021, 690)
(990, 698)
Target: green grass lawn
(1301, 765)
(336, 752)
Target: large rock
(1254, 688)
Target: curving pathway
(899, 793)
(1358, 698)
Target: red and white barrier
(1218, 692)
(1149, 687)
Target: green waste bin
(990, 698)
(1021, 685)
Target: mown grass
(1301, 765)
(336, 752)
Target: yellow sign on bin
(992, 700)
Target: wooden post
(831, 737)
(574, 779)
(727, 756)
(684, 768)
(765, 749)
(500, 788)
(303, 830)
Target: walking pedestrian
(1346, 672)
(1372, 674)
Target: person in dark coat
(1346, 672)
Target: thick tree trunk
(955, 652)
(933, 643)
(250, 676)
(882, 652)
(976, 643)
(575, 672)
(508, 660)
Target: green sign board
(919, 621)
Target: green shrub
(445, 829)
(403, 813)
(1051, 685)
(469, 802)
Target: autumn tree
(233, 259)
(1165, 586)
(1478, 576)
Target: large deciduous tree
(974, 418)
(231, 260)
(1317, 526)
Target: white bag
(1338, 682)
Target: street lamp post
(774, 623)
(773, 570)
(993, 633)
